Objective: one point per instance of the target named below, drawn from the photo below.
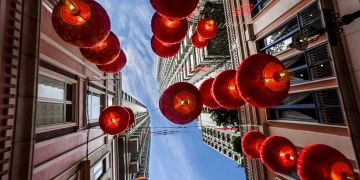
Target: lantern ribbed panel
(176, 9)
(225, 91)
(198, 41)
(257, 90)
(116, 65)
(141, 178)
(93, 28)
(169, 31)
(164, 50)
(278, 154)
(171, 106)
(132, 117)
(322, 162)
(206, 95)
(114, 120)
(251, 144)
(105, 53)
(207, 28)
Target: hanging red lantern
(181, 103)
(225, 91)
(132, 117)
(114, 120)
(114, 66)
(278, 154)
(207, 28)
(206, 95)
(103, 53)
(175, 9)
(83, 23)
(141, 178)
(322, 162)
(251, 144)
(164, 50)
(198, 41)
(262, 80)
(167, 30)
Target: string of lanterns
(206, 30)
(317, 161)
(261, 80)
(85, 24)
(169, 27)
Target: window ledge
(47, 128)
(307, 123)
(326, 83)
(253, 18)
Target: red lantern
(181, 103)
(225, 91)
(114, 66)
(164, 50)
(251, 144)
(198, 41)
(206, 95)
(114, 120)
(176, 9)
(104, 52)
(83, 23)
(207, 28)
(167, 30)
(262, 80)
(132, 117)
(278, 154)
(322, 162)
(141, 178)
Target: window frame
(103, 104)
(66, 80)
(105, 164)
(300, 29)
(258, 3)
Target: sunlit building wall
(314, 111)
(51, 101)
(195, 65)
(134, 145)
(219, 138)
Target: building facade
(51, 101)
(134, 145)
(220, 138)
(317, 109)
(195, 65)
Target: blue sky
(182, 156)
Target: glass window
(94, 105)
(258, 5)
(306, 22)
(54, 104)
(99, 169)
(279, 40)
(50, 88)
(321, 106)
(110, 100)
(311, 65)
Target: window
(321, 106)
(93, 105)
(258, 5)
(54, 103)
(305, 22)
(110, 100)
(311, 65)
(99, 169)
